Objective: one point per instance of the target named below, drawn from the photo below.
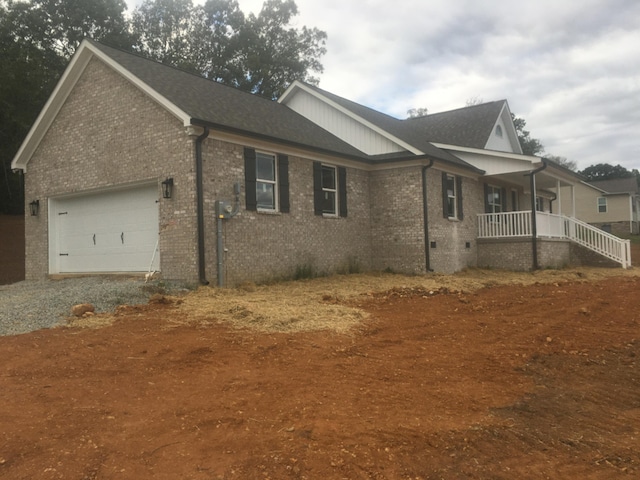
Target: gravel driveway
(27, 306)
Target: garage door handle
(122, 237)
(94, 238)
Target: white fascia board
(166, 104)
(507, 119)
(490, 153)
(593, 186)
(290, 92)
(61, 92)
(48, 113)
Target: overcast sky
(570, 68)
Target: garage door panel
(108, 232)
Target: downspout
(555, 197)
(534, 223)
(425, 209)
(200, 207)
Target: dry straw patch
(331, 303)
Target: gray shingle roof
(466, 127)
(406, 130)
(218, 105)
(617, 185)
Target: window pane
(265, 195)
(451, 207)
(265, 167)
(451, 186)
(329, 202)
(329, 177)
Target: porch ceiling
(546, 179)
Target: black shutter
(317, 188)
(250, 179)
(487, 207)
(503, 200)
(342, 191)
(459, 197)
(283, 183)
(445, 197)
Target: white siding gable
(341, 125)
(503, 137)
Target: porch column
(559, 197)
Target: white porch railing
(518, 224)
(506, 224)
(598, 240)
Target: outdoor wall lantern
(34, 207)
(167, 187)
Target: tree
(605, 171)
(473, 101)
(260, 54)
(37, 39)
(563, 162)
(417, 112)
(163, 29)
(530, 146)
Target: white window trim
(332, 190)
(274, 182)
(454, 196)
(492, 205)
(606, 206)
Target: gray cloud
(570, 69)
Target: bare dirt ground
(482, 375)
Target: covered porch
(518, 226)
(540, 238)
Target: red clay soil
(505, 383)
(11, 248)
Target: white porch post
(631, 214)
(559, 197)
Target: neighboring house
(135, 166)
(613, 205)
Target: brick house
(135, 166)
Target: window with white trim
(498, 131)
(602, 204)
(452, 196)
(266, 181)
(495, 199)
(329, 190)
(451, 202)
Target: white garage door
(115, 231)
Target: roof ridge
(360, 105)
(484, 104)
(173, 67)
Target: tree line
(261, 54)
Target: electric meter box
(223, 209)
